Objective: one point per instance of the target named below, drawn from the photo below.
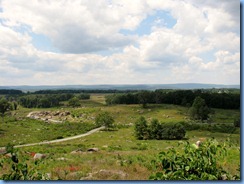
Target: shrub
(141, 129)
(158, 131)
(193, 164)
(237, 122)
(19, 170)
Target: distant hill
(123, 87)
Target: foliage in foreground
(19, 170)
(195, 163)
(157, 130)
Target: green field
(120, 155)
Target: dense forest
(52, 98)
(10, 92)
(177, 97)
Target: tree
(144, 97)
(74, 102)
(4, 107)
(141, 129)
(155, 130)
(199, 110)
(104, 119)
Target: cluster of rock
(90, 150)
(49, 115)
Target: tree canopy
(104, 119)
(199, 110)
(4, 107)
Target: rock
(8, 155)
(56, 113)
(76, 151)
(93, 150)
(39, 156)
(224, 177)
(105, 174)
(198, 143)
(66, 113)
(62, 159)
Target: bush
(237, 122)
(159, 131)
(193, 164)
(19, 169)
(141, 129)
(222, 128)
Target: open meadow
(115, 154)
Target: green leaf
(187, 168)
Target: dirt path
(2, 149)
(61, 140)
(57, 140)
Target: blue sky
(119, 42)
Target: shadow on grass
(1, 131)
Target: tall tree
(4, 107)
(199, 110)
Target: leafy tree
(74, 102)
(141, 129)
(84, 96)
(199, 110)
(104, 119)
(159, 131)
(144, 97)
(155, 130)
(4, 107)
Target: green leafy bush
(141, 129)
(222, 127)
(104, 119)
(195, 163)
(19, 170)
(159, 131)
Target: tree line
(177, 97)
(62, 91)
(50, 100)
(10, 92)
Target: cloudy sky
(60, 42)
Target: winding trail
(61, 140)
(57, 140)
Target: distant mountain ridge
(122, 87)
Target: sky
(68, 42)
